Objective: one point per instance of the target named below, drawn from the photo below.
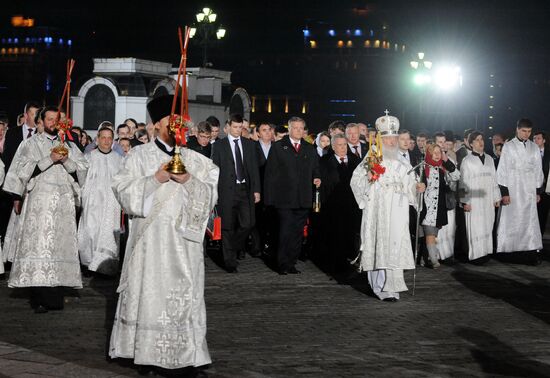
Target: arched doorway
(99, 106)
(240, 103)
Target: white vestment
(2, 173)
(479, 189)
(46, 253)
(161, 315)
(447, 233)
(520, 170)
(385, 237)
(99, 226)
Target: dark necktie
(297, 147)
(356, 152)
(239, 161)
(343, 161)
(30, 133)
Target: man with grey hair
(354, 142)
(384, 198)
(292, 169)
(340, 217)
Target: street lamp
(422, 77)
(204, 29)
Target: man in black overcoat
(238, 189)
(340, 215)
(292, 169)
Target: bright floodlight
(414, 64)
(192, 32)
(212, 17)
(420, 55)
(206, 11)
(428, 64)
(448, 78)
(422, 79)
(200, 17)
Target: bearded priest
(41, 181)
(385, 198)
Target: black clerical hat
(161, 107)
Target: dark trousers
(233, 239)
(461, 240)
(49, 297)
(542, 207)
(291, 231)
(6, 204)
(263, 229)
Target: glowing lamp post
(206, 29)
(422, 67)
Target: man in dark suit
(353, 136)
(14, 137)
(238, 189)
(544, 204)
(264, 214)
(338, 239)
(201, 142)
(215, 128)
(292, 169)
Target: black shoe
(241, 255)
(283, 272)
(146, 370)
(390, 299)
(293, 270)
(256, 253)
(232, 270)
(40, 309)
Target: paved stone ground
(464, 320)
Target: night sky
(145, 29)
(511, 37)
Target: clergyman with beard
(47, 253)
(385, 239)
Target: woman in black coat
(434, 211)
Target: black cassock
(340, 217)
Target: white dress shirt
(25, 130)
(231, 139)
(265, 148)
(352, 149)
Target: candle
(370, 142)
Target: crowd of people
(109, 206)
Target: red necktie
(297, 147)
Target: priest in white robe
(479, 195)
(161, 316)
(99, 227)
(2, 174)
(447, 233)
(46, 256)
(520, 178)
(385, 240)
